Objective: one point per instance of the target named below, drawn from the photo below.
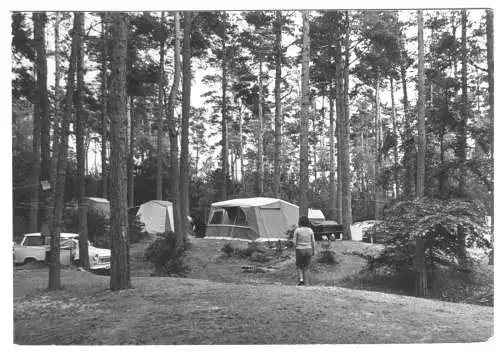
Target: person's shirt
(303, 238)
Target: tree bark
(462, 132)
(407, 138)
(277, 100)
(378, 196)
(186, 107)
(491, 104)
(120, 257)
(260, 141)
(331, 134)
(38, 118)
(225, 145)
(57, 112)
(104, 107)
(54, 268)
(395, 131)
(304, 118)
(421, 288)
(173, 133)
(130, 161)
(346, 132)
(80, 146)
(43, 107)
(159, 129)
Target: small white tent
(153, 215)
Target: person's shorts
(303, 257)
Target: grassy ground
(219, 303)
(194, 311)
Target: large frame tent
(257, 218)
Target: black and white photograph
(251, 176)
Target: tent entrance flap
(273, 222)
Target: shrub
(228, 249)
(328, 257)
(259, 257)
(135, 228)
(166, 262)
(249, 250)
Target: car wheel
(29, 260)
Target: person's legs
(300, 274)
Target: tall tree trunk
(55, 128)
(104, 106)
(130, 161)
(462, 132)
(331, 134)
(173, 133)
(43, 103)
(491, 104)
(54, 268)
(422, 288)
(57, 111)
(407, 138)
(339, 94)
(80, 146)
(346, 132)
(159, 129)
(304, 118)
(260, 141)
(186, 106)
(395, 131)
(378, 185)
(40, 120)
(464, 112)
(242, 169)
(225, 145)
(120, 255)
(277, 100)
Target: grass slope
(195, 311)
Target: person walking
(303, 239)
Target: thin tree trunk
(422, 288)
(104, 107)
(54, 268)
(304, 118)
(186, 106)
(395, 131)
(462, 132)
(241, 151)
(260, 149)
(331, 134)
(378, 196)
(80, 149)
(130, 164)
(43, 101)
(159, 129)
(173, 133)
(491, 104)
(120, 255)
(57, 113)
(225, 145)
(277, 99)
(407, 138)
(39, 39)
(346, 162)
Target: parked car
(34, 247)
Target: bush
(228, 249)
(328, 257)
(249, 250)
(135, 228)
(259, 257)
(161, 253)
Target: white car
(34, 247)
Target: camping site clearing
(218, 309)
